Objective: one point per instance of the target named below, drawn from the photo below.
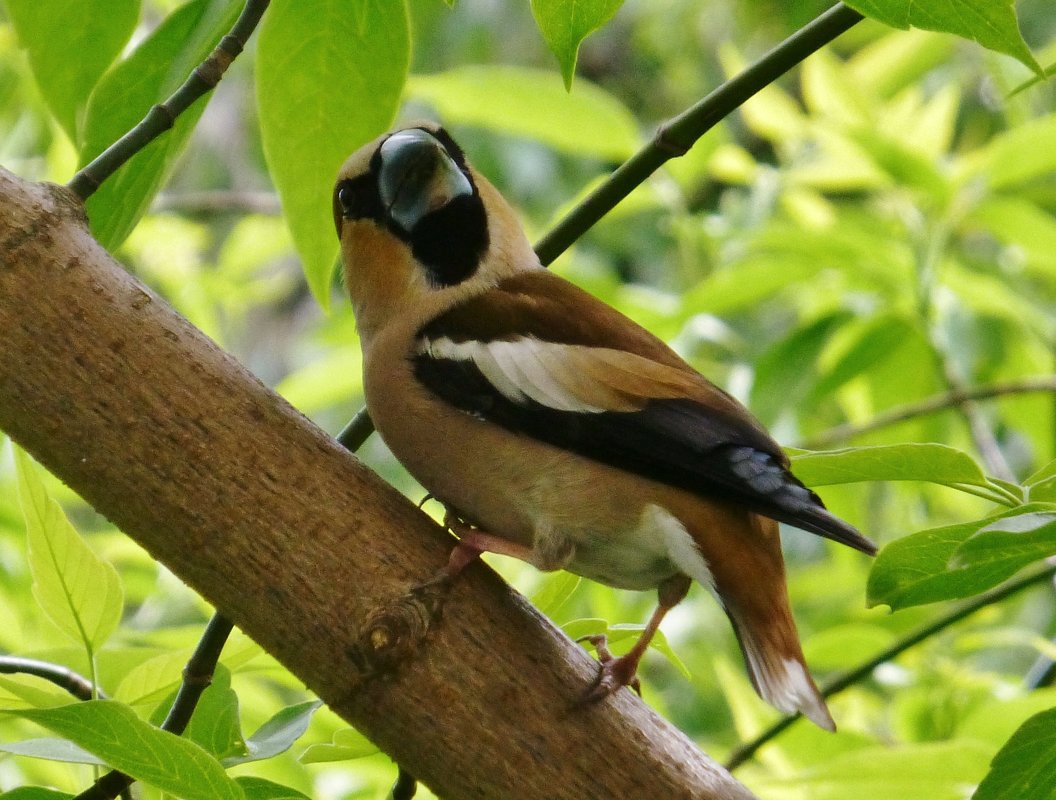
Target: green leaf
(1041, 486)
(554, 591)
(262, 789)
(34, 793)
(115, 734)
(1025, 768)
(19, 691)
(52, 750)
(621, 637)
(77, 590)
(329, 78)
(991, 23)
(95, 30)
(934, 463)
(566, 23)
(1012, 542)
(527, 102)
(348, 744)
(215, 724)
(278, 734)
(921, 568)
(1020, 154)
(126, 93)
(927, 771)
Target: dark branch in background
(209, 203)
(931, 405)
(830, 688)
(63, 677)
(675, 137)
(160, 118)
(197, 676)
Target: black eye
(357, 198)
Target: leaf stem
(202, 80)
(830, 688)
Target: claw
(613, 672)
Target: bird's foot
(613, 672)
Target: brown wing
(541, 357)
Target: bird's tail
(775, 661)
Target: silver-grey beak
(417, 176)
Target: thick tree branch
(930, 405)
(297, 543)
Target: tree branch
(63, 677)
(202, 80)
(864, 670)
(297, 543)
(931, 405)
(676, 136)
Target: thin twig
(197, 676)
(930, 405)
(219, 202)
(202, 80)
(675, 137)
(63, 677)
(830, 688)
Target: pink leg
(623, 671)
(471, 543)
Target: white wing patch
(566, 377)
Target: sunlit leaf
(991, 23)
(1011, 542)
(111, 731)
(278, 734)
(1020, 154)
(1025, 768)
(149, 75)
(924, 771)
(95, 30)
(921, 568)
(348, 744)
(78, 591)
(34, 793)
(527, 102)
(554, 591)
(52, 750)
(931, 462)
(263, 789)
(566, 23)
(1041, 486)
(215, 724)
(329, 77)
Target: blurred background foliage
(876, 228)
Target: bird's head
(415, 219)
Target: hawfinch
(554, 428)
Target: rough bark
(295, 541)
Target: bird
(553, 428)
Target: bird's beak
(417, 177)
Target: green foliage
(124, 95)
(1026, 765)
(873, 230)
(329, 78)
(96, 30)
(79, 592)
(117, 736)
(992, 24)
(566, 23)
